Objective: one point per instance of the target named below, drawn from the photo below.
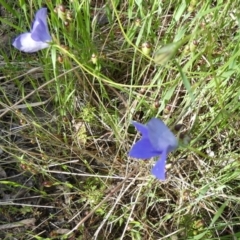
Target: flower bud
(167, 109)
(94, 59)
(60, 10)
(156, 104)
(186, 50)
(47, 184)
(146, 48)
(69, 16)
(60, 59)
(66, 24)
(138, 22)
(142, 90)
(193, 45)
(23, 122)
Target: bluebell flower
(38, 38)
(157, 140)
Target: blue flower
(156, 140)
(38, 38)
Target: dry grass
(66, 123)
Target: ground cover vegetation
(66, 112)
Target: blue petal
(143, 149)
(25, 43)
(141, 128)
(159, 169)
(39, 29)
(160, 136)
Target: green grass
(66, 121)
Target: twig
(25, 222)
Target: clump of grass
(66, 121)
